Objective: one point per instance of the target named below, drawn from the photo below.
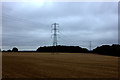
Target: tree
(9, 50)
(14, 49)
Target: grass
(62, 65)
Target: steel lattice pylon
(54, 28)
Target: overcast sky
(28, 25)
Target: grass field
(70, 65)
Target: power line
(21, 20)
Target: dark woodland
(111, 50)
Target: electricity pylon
(55, 30)
(90, 45)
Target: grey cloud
(25, 24)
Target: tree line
(13, 50)
(72, 49)
(112, 50)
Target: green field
(62, 65)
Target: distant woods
(13, 50)
(113, 50)
(73, 49)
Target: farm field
(61, 65)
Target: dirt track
(71, 65)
